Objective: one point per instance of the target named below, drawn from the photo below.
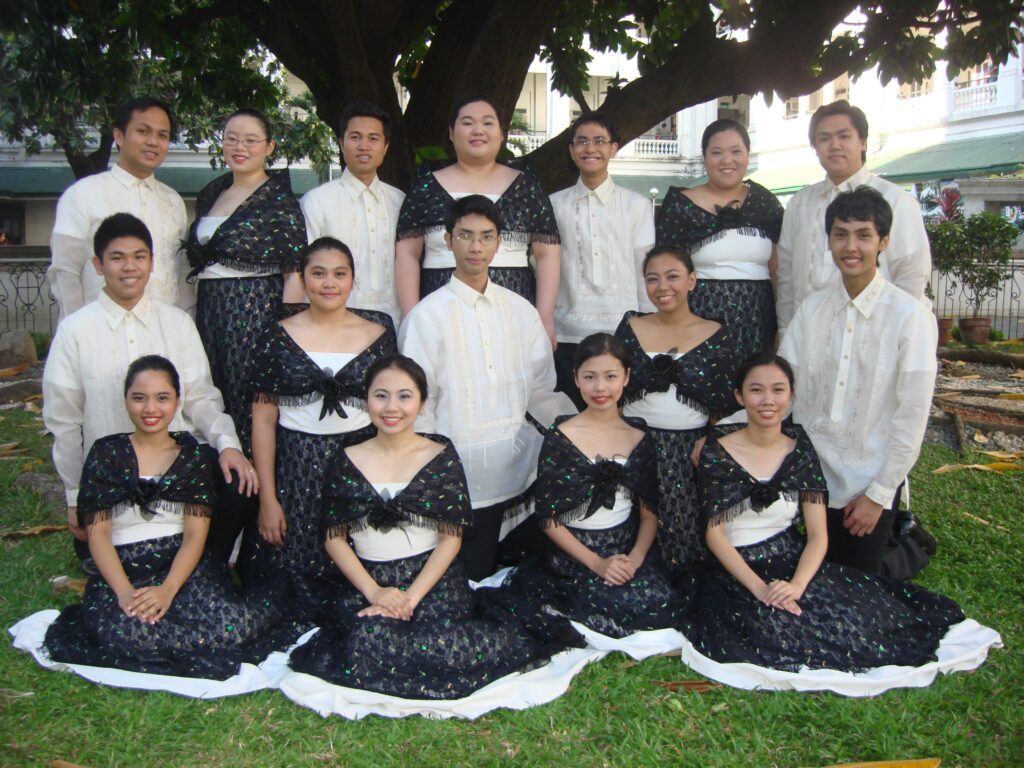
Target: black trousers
(482, 554)
(566, 382)
(863, 552)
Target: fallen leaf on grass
(32, 407)
(1011, 396)
(964, 375)
(29, 465)
(1004, 455)
(995, 466)
(68, 584)
(927, 762)
(9, 694)
(30, 398)
(64, 764)
(34, 530)
(693, 686)
(980, 437)
(975, 518)
(720, 707)
(947, 395)
(628, 663)
(1017, 375)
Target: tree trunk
(97, 161)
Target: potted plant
(974, 253)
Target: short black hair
(597, 344)
(327, 243)
(261, 118)
(675, 252)
(125, 110)
(473, 204)
(152, 363)
(120, 225)
(721, 126)
(758, 359)
(401, 363)
(465, 101)
(597, 118)
(862, 204)
(364, 109)
(841, 107)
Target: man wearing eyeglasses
(143, 130)
(488, 363)
(605, 231)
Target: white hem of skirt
(964, 647)
(29, 633)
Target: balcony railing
(644, 148)
(1004, 305)
(973, 97)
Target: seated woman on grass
(155, 603)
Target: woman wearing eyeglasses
(245, 247)
(423, 263)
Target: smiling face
(765, 395)
(328, 279)
(363, 147)
(393, 401)
(592, 157)
(855, 246)
(601, 380)
(143, 144)
(151, 401)
(246, 146)
(474, 241)
(476, 134)
(125, 266)
(668, 282)
(840, 148)
(726, 160)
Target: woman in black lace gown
(680, 376)
(308, 403)
(596, 497)
(730, 228)
(244, 247)
(423, 263)
(770, 599)
(155, 603)
(406, 623)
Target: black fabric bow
(728, 216)
(662, 373)
(386, 515)
(763, 496)
(608, 476)
(145, 492)
(333, 391)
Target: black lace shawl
(436, 498)
(111, 484)
(526, 210)
(266, 232)
(571, 487)
(283, 374)
(703, 376)
(727, 489)
(683, 223)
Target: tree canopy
(689, 52)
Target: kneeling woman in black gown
(770, 600)
(156, 603)
(394, 508)
(596, 497)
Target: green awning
(29, 181)
(953, 159)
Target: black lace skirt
(850, 621)
(301, 564)
(231, 315)
(457, 641)
(208, 631)
(745, 307)
(649, 601)
(517, 279)
(680, 531)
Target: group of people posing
(385, 396)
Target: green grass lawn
(612, 715)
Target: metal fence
(25, 298)
(26, 301)
(1003, 305)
